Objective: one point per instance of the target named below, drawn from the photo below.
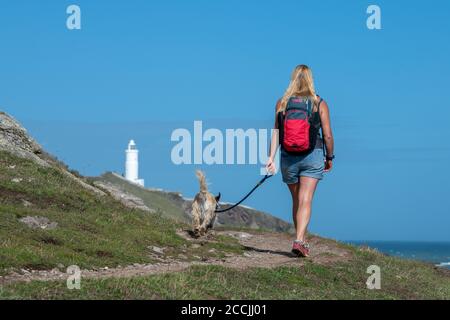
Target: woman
(302, 172)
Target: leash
(267, 176)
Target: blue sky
(140, 69)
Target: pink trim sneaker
(300, 248)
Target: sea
(437, 253)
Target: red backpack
(299, 127)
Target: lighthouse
(132, 164)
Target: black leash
(267, 176)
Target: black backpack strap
(280, 116)
(318, 105)
(309, 107)
(321, 127)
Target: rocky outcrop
(39, 223)
(127, 199)
(14, 139)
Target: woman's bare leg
(293, 188)
(307, 187)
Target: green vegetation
(153, 199)
(93, 230)
(173, 205)
(400, 280)
(96, 231)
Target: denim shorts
(295, 166)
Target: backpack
(298, 126)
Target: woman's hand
(328, 165)
(270, 166)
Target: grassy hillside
(175, 206)
(400, 280)
(92, 231)
(160, 201)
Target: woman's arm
(274, 142)
(327, 133)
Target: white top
(131, 145)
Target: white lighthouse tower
(132, 164)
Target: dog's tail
(202, 180)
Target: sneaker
(300, 248)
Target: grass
(172, 204)
(400, 280)
(93, 230)
(97, 231)
(153, 199)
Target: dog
(204, 208)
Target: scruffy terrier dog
(204, 207)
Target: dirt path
(266, 250)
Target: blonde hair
(301, 85)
